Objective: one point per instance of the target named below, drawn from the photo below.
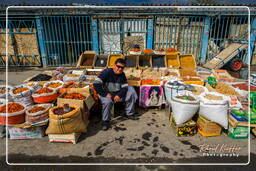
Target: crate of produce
(145, 61)
(187, 61)
(19, 133)
(151, 73)
(158, 61)
(186, 129)
(64, 138)
(100, 61)
(172, 60)
(188, 72)
(208, 128)
(223, 88)
(112, 59)
(86, 59)
(79, 97)
(169, 74)
(93, 71)
(133, 76)
(222, 75)
(131, 61)
(193, 80)
(239, 132)
(151, 82)
(71, 84)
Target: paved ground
(148, 140)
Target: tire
(235, 64)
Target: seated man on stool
(112, 87)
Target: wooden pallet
(225, 56)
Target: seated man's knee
(107, 101)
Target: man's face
(118, 68)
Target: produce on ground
(20, 90)
(12, 107)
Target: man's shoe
(131, 117)
(105, 125)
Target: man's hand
(109, 95)
(116, 99)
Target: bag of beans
(45, 95)
(65, 119)
(22, 94)
(184, 107)
(55, 85)
(38, 113)
(214, 107)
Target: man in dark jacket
(112, 87)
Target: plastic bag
(173, 88)
(183, 110)
(15, 117)
(214, 110)
(45, 97)
(34, 86)
(38, 116)
(24, 97)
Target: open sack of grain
(184, 107)
(55, 85)
(22, 94)
(214, 107)
(15, 115)
(65, 119)
(45, 95)
(38, 114)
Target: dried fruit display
(213, 97)
(54, 85)
(73, 75)
(187, 73)
(62, 110)
(76, 96)
(225, 89)
(12, 107)
(36, 109)
(191, 79)
(41, 77)
(44, 90)
(148, 51)
(20, 90)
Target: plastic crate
(187, 61)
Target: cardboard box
(87, 55)
(64, 138)
(100, 61)
(145, 61)
(156, 61)
(208, 128)
(187, 61)
(233, 122)
(134, 82)
(132, 61)
(172, 60)
(85, 105)
(112, 59)
(187, 129)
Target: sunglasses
(120, 67)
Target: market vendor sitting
(112, 87)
